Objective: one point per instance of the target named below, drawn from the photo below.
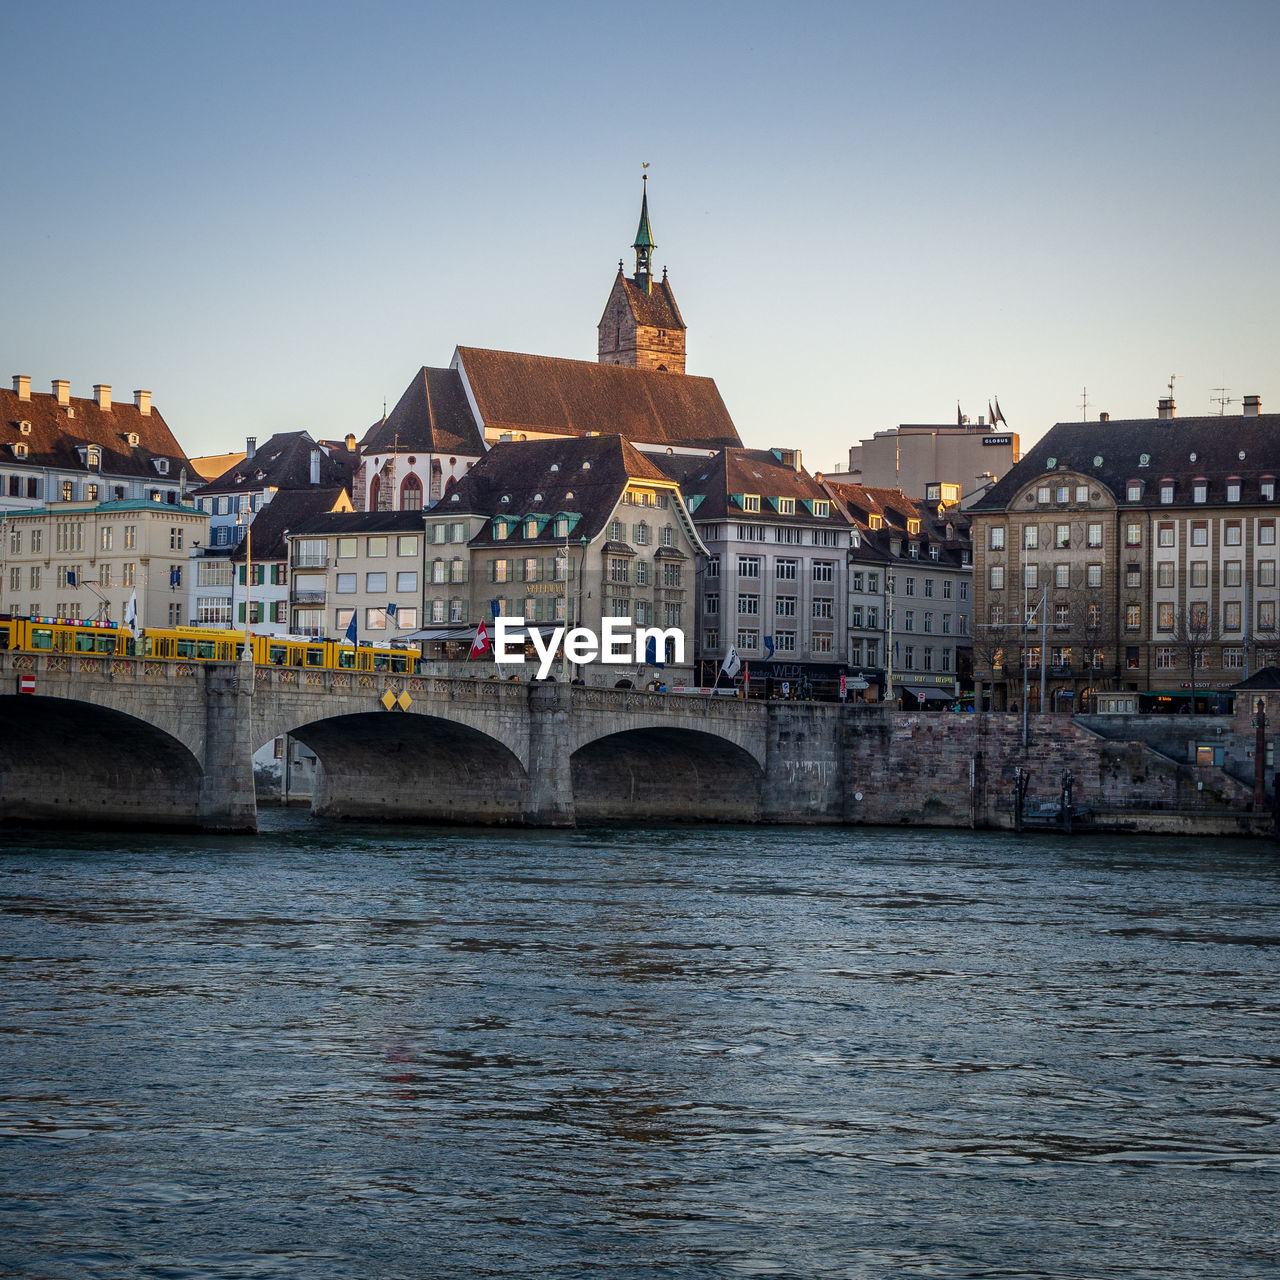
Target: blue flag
(71, 578)
(495, 607)
(175, 578)
(651, 652)
(768, 646)
(391, 610)
(350, 637)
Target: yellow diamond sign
(388, 699)
(405, 701)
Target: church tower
(641, 327)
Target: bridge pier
(227, 799)
(550, 795)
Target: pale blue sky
(272, 214)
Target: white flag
(131, 617)
(732, 663)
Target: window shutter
(242, 583)
(242, 613)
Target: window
(749, 604)
(995, 577)
(1232, 573)
(213, 610)
(785, 607)
(213, 573)
(1232, 659)
(1082, 494)
(375, 582)
(821, 507)
(995, 615)
(711, 604)
(751, 502)
(1133, 575)
(346, 548)
(1133, 617)
(1199, 617)
(928, 623)
(1093, 535)
(66, 491)
(964, 589)
(711, 638)
(1267, 489)
(824, 571)
(668, 536)
(130, 538)
(873, 583)
(1266, 533)
(377, 547)
(175, 615)
(823, 608)
(407, 544)
(1199, 573)
(375, 619)
(1231, 533)
(1030, 575)
(105, 537)
(1266, 573)
(713, 567)
(821, 642)
(1166, 658)
(346, 584)
(1133, 491)
(1133, 535)
(909, 657)
(670, 574)
(786, 506)
(748, 640)
(1061, 575)
(785, 570)
(619, 569)
(1164, 535)
(406, 581)
(1266, 615)
(1132, 657)
(1164, 616)
(995, 537)
(1166, 491)
(1064, 493)
(1233, 489)
(1231, 615)
(129, 575)
(910, 587)
(748, 566)
(1093, 575)
(1030, 536)
(1061, 615)
(1200, 491)
(1199, 533)
(1042, 493)
(1165, 574)
(642, 573)
(928, 588)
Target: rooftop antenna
(1084, 404)
(1222, 399)
(1172, 376)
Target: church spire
(644, 245)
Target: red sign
(26, 684)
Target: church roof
(555, 397)
(656, 310)
(432, 416)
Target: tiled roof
(1112, 453)
(213, 465)
(283, 462)
(288, 510)
(656, 310)
(546, 477)
(432, 416)
(54, 437)
(550, 396)
(894, 508)
(733, 473)
(358, 522)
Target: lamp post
(247, 515)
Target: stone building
(56, 447)
(361, 564)
(773, 585)
(88, 559)
(1131, 555)
(910, 579)
(567, 531)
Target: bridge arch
(65, 762)
(662, 773)
(413, 768)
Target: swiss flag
(481, 643)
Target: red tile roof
(432, 416)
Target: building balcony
(310, 562)
(304, 598)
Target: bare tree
(1195, 632)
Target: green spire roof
(644, 235)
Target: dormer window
(530, 528)
(786, 506)
(821, 507)
(751, 502)
(586, 466)
(506, 497)
(1200, 490)
(161, 465)
(855, 538)
(1133, 491)
(537, 497)
(555, 466)
(913, 527)
(915, 550)
(1233, 489)
(24, 428)
(933, 552)
(875, 522)
(20, 450)
(131, 439)
(1166, 491)
(1144, 460)
(1267, 488)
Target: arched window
(375, 492)
(411, 493)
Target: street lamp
(245, 517)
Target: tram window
(276, 655)
(206, 649)
(399, 662)
(4, 637)
(41, 638)
(347, 658)
(105, 644)
(83, 641)
(315, 655)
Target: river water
(353, 1051)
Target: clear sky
(272, 214)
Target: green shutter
(242, 613)
(242, 584)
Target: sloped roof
(656, 310)
(283, 462)
(1168, 444)
(357, 522)
(213, 465)
(548, 476)
(861, 502)
(733, 473)
(432, 416)
(54, 437)
(1265, 679)
(288, 510)
(556, 397)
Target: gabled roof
(586, 476)
(1263, 680)
(355, 522)
(432, 416)
(555, 397)
(895, 509)
(656, 310)
(54, 436)
(283, 462)
(1167, 444)
(288, 510)
(732, 474)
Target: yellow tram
(199, 644)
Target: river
(334, 1051)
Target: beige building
(86, 559)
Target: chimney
(22, 386)
(315, 466)
(102, 394)
(1252, 406)
(250, 447)
(1104, 417)
(142, 402)
(62, 389)
(351, 444)
(1166, 408)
